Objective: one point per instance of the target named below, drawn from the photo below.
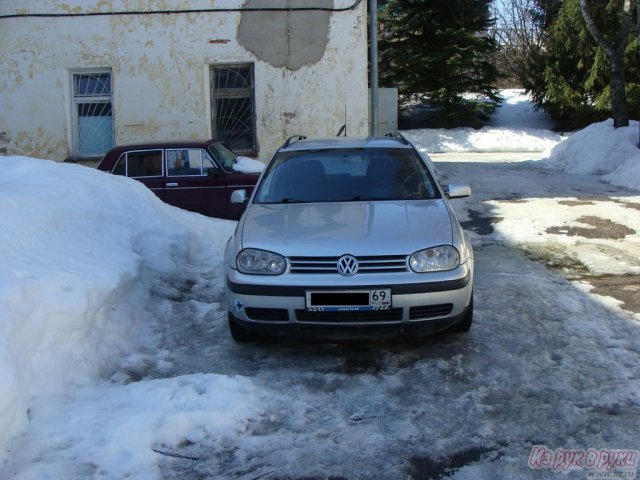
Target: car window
(188, 161)
(225, 156)
(346, 175)
(142, 163)
(121, 165)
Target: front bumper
(421, 304)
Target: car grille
(390, 315)
(268, 314)
(379, 264)
(428, 311)
(348, 332)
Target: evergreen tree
(439, 51)
(568, 63)
(574, 86)
(614, 48)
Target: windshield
(346, 175)
(225, 156)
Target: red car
(194, 175)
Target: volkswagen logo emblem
(347, 265)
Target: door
(144, 166)
(194, 182)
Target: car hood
(356, 228)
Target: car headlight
(436, 259)
(261, 262)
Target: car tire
(239, 333)
(465, 324)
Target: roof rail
(397, 135)
(294, 138)
(403, 138)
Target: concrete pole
(373, 63)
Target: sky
(93, 264)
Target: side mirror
(239, 197)
(457, 191)
(214, 172)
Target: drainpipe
(373, 62)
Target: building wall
(310, 69)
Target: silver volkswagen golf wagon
(348, 238)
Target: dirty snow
(572, 222)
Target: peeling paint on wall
(292, 39)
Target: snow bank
(248, 165)
(487, 139)
(516, 127)
(595, 150)
(626, 175)
(78, 250)
(600, 149)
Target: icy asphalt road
(545, 364)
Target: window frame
(77, 100)
(216, 150)
(204, 154)
(231, 93)
(125, 155)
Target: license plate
(349, 300)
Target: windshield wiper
(292, 200)
(365, 198)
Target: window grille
(92, 113)
(233, 107)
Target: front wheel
(239, 333)
(465, 324)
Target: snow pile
(626, 175)
(516, 127)
(123, 432)
(600, 149)
(79, 249)
(248, 165)
(487, 139)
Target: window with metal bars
(233, 107)
(92, 113)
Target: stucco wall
(160, 70)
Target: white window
(92, 114)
